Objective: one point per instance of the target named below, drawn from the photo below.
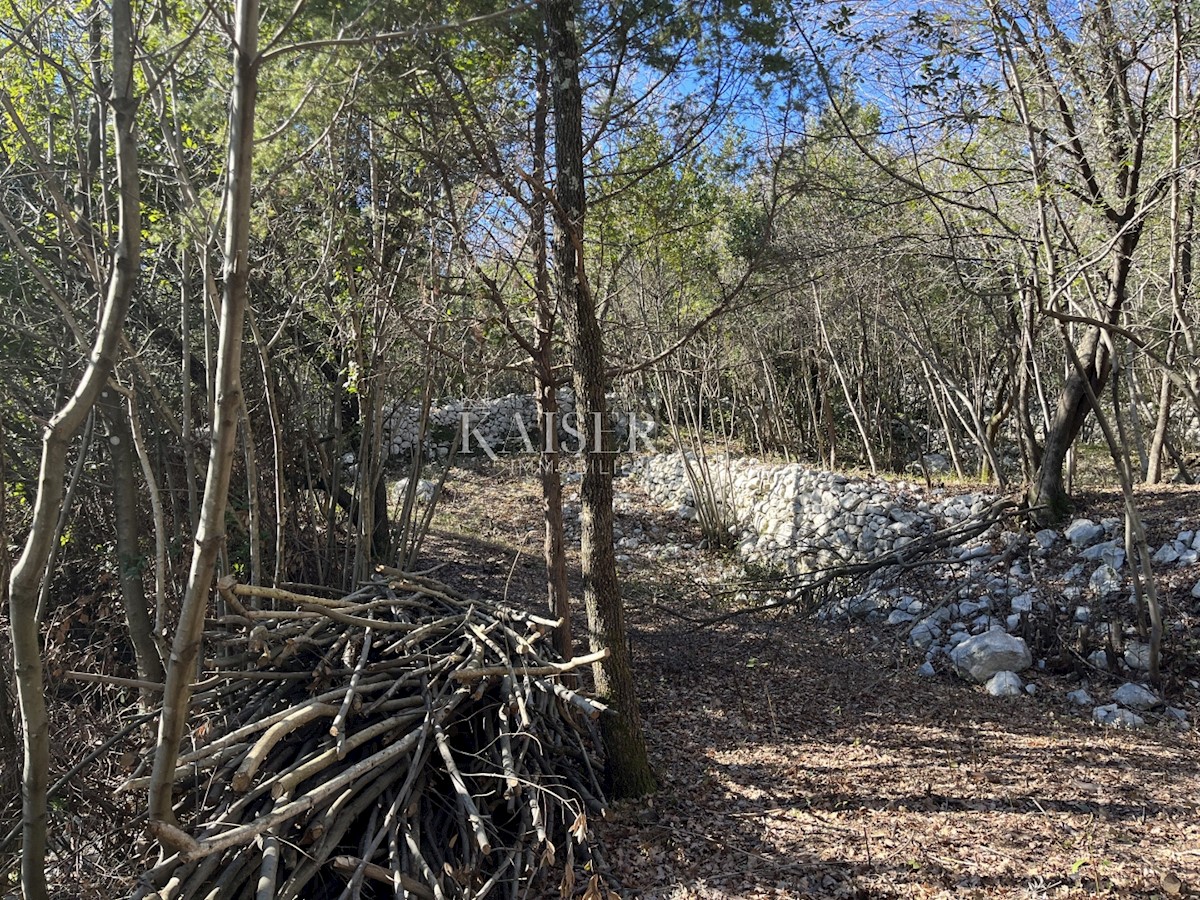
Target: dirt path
(802, 761)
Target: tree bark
(8, 735)
(1031, 450)
(554, 550)
(129, 556)
(1154, 459)
(210, 533)
(30, 569)
(1154, 472)
(1048, 493)
(629, 772)
(158, 515)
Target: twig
(115, 680)
(338, 728)
(348, 865)
(243, 777)
(464, 675)
(270, 866)
(460, 788)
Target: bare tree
(629, 767)
(210, 533)
(30, 569)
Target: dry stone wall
(967, 612)
(496, 425)
(795, 519)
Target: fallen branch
(348, 865)
(463, 675)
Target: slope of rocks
(495, 426)
(1003, 604)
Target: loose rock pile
(973, 610)
(493, 422)
(496, 425)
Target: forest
(599, 448)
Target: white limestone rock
(1137, 656)
(1166, 555)
(924, 634)
(936, 463)
(1108, 552)
(1046, 538)
(1105, 580)
(1005, 684)
(980, 657)
(424, 491)
(1083, 533)
(969, 608)
(1115, 717)
(1135, 696)
(969, 553)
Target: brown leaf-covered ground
(798, 760)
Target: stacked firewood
(401, 741)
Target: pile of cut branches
(401, 741)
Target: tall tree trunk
(1162, 421)
(828, 427)
(186, 419)
(30, 569)
(1136, 403)
(837, 368)
(129, 555)
(8, 735)
(253, 515)
(280, 486)
(1154, 459)
(1031, 450)
(1048, 492)
(158, 515)
(210, 534)
(554, 549)
(991, 433)
(629, 772)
